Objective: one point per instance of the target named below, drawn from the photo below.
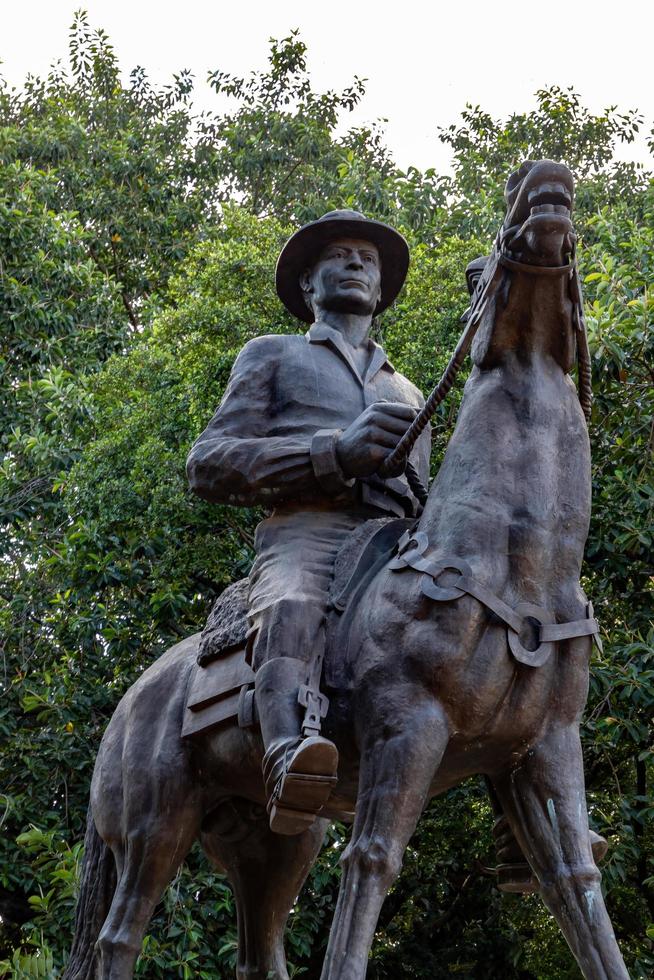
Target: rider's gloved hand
(365, 444)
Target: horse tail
(97, 887)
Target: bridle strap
(411, 554)
(536, 270)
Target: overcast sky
(423, 60)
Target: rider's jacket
(272, 439)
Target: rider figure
(305, 423)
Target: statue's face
(346, 278)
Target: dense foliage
(137, 243)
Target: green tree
(137, 242)
(104, 187)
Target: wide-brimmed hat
(303, 248)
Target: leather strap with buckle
(517, 620)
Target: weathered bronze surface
(467, 653)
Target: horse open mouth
(550, 199)
(539, 189)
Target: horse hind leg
(266, 871)
(147, 861)
(545, 802)
(149, 813)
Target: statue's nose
(355, 261)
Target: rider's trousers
(291, 578)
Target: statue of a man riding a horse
(389, 642)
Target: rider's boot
(299, 771)
(513, 873)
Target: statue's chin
(348, 304)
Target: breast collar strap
(411, 549)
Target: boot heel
(298, 801)
(304, 792)
(516, 879)
(289, 822)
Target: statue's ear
(379, 291)
(306, 286)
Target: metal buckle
(445, 593)
(597, 639)
(531, 658)
(316, 704)
(405, 553)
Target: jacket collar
(322, 333)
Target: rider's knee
(289, 627)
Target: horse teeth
(550, 209)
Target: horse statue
(467, 652)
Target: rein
(498, 260)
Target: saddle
(221, 686)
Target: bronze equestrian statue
(463, 649)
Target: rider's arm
(235, 461)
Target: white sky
(423, 60)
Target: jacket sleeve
(234, 461)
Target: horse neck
(516, 475)
(528, 319)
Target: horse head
(537, 229)
(526, 297)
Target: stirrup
(304, 786)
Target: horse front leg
(404, 739)
(545, 802)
